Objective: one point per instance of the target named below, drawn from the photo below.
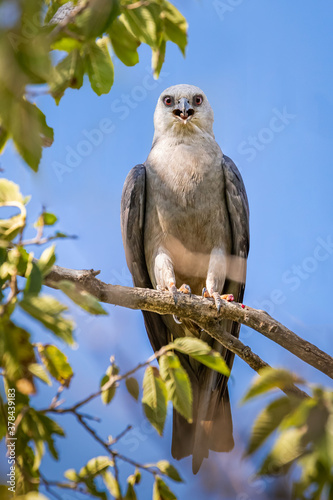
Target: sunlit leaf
(154, 399)
(48, 311)
(56, 363)
(47, 260)
(112, 484)
(99, 66)
(287, 448)
(124, 44)
(133, 387)
(82, 298)
(271, 378)
(178, 385)
(202, 352)
(108, 394)
(38, 371)
(16, 354)
(161, 491)
(145, 23)
(169, 470)
(68, 73)
(175, 25)
(269, 420)
(95, 466)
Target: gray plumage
(185, 219)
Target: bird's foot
(217, 297)
(173, 289)
(185, 289)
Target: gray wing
(132, 218)
(238, 210)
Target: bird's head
(183, 109)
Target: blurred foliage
(303, 429)
(85, 34)
(25, 362)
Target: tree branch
(202, 312)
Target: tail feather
(213, 432)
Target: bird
(185, 229)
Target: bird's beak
(183, 110)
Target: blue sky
(266, 69)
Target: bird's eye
(198, 100)
(168, 101)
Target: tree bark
(201, 311)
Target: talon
(176, 320)
(218, 302)
(185, 289)
(173, 289)
(228, 297)
(205, 293)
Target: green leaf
(299, 416)
(108, 394)
(130, 493)
(56, 363)
(47, 310)
(41, 429)
(154, 398)
(16, 354)
(269, 420)
(72, 475)
(177, 384)
(133, 387)
(82, 298)
(95, 466)
(175, 26)
(169, 470)
(3, 138)
(112, 484)
(28, 128)
(124, 44)
(97, 17)
(271, 378)
(145, 23)
(161, 491)
(135, 478)
(158, 57)
(202, 352)
(38, 371)
(68, 73)
(99, 66)
(67, 44)
(9, 191)
(34, 280)
(10, 196)
(287, 448)
(46, 219)
(47, 260)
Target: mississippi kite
(185, 223)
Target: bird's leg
(165, 274)
(216, 277)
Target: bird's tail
(211, 428)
